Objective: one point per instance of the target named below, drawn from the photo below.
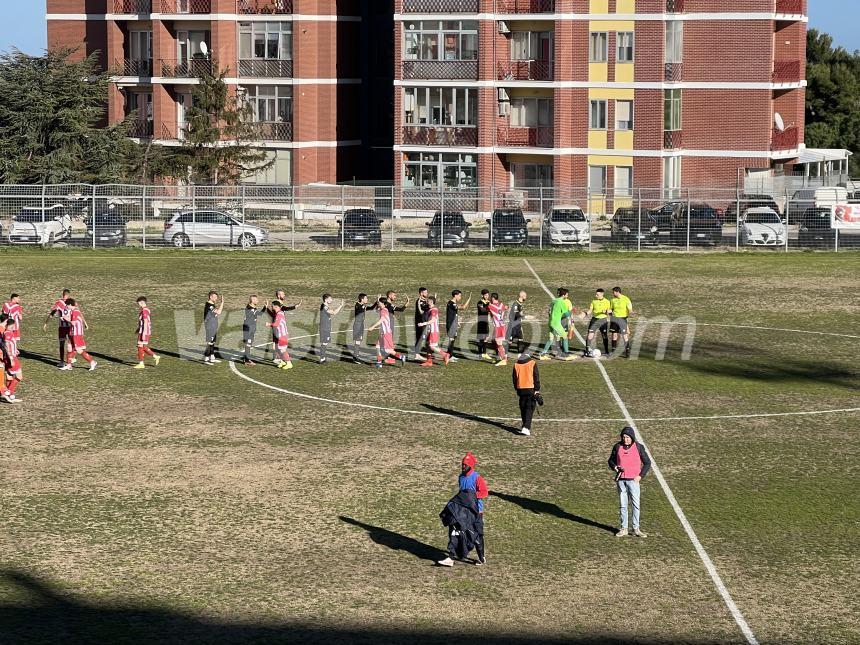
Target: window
(423, 169)
(674, 41)
(141, 104)
(531, 113)
(623, 181)
(597, 115)
(266, 40)
(279, 173)
(672, 176)
(189, 45)
(597, 179)
(671, 110)
(598, 47)
(531, 175)
(440, 106)
(140, 45)
(623, 115)
(531, 45)
(271, 104)
(441, 40)
(625, 46)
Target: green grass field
(186, 504)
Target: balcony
(273, 130)
(172, 132)
(132, 6)
(787, 71)
(788, 139)
(525, 6)
(674, 72)
(790, 7)
(140, 129)
(525, 70)
(447, 70)
(194, 68)
(131, 67)
(441, 6)
(260, 68)
(672, 139)
(423, 135)
(186, 6)
(520, 137)
(674, 6)
(264, 7)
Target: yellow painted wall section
(612, 25)
(624, 140)
(618, 94)
(625, 72)
(625, 6)
(598, 72)
(598, 6)
(610, 160)
(597, 139)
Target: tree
(832, 96)
(218, 136)
(52, 116)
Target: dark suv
(704, 225)
(109, 228)
(360, 226)
(452, 227)
(509, 226)
(816, 230)
(801, 201)
(747, 202)
(628, 227)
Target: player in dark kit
(211, 310)
(327, 312)
(484, 324)
(362, 306)
(422, 309)
(452, 319)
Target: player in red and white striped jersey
(144, 333)
(432, 324)
(497, 316)
(79, 346)
(11, 363)
(15, 312)
(385, 351)
(282, 335)
(61, 311)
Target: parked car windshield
(807, 195)
(509, 219)
(571, 215)
(361, 218)
(451, 219)
(817, 218)
(35, 215)
(762, 218)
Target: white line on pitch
(700, 550)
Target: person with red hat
(474, 483)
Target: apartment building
(604, 94)
(294, 60)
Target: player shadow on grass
(471, 417)
(396, 541)
(539, 507)
(110, 359)
(42, 358)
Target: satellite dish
(204, 49)
(778, 122)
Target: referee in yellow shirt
(599, 310)
(622, 308)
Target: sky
(22, 23)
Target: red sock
(148, 351)
(13, 385)
(87, 357)
(140, 354)
(502, 355)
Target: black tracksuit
(249, 328)
(527, 394)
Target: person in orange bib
(527, 386)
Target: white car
(566, 225)
(211, 227)
(762, 227)
(36, 225)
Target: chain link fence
(327, 217)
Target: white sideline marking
(700, 550)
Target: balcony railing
(525, 6)
(787, 71)
(790, 7)
(131, 67)
(260, 68)
(788, 139)
(140, 129)
(449, 70)
(273, 131)
(525, 70)
(271, 7)
(541, 137)
(423, 135)
(672, 139)
(132, 6)
(441, 6)
(673, 72)
(172, 132)
(186, 6)
(674, 6)
(194, 68)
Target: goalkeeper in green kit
(559, 311)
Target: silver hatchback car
(211, 227)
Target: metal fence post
(589, 215)
(143, 214)
(342, 217)
(243, 208)
(492, 211)
(737, 219)
(836, 241)
(193, 217)
(688, 220)
(292, 218)
(442, 217)
(93, 216)
(391, 217)
(639, 225)
(540, 217)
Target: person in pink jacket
(630, 462)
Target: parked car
(452, 228)
(629, 225)
(704, 225)
(211, 227)
(566, 225)
(748, 202)
(36, 225)
(800, 202)
(662, 219)
(110, 229)
(509, 226)
(360, 226)
(762, 227)
(815, 228)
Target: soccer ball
(596, 353)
